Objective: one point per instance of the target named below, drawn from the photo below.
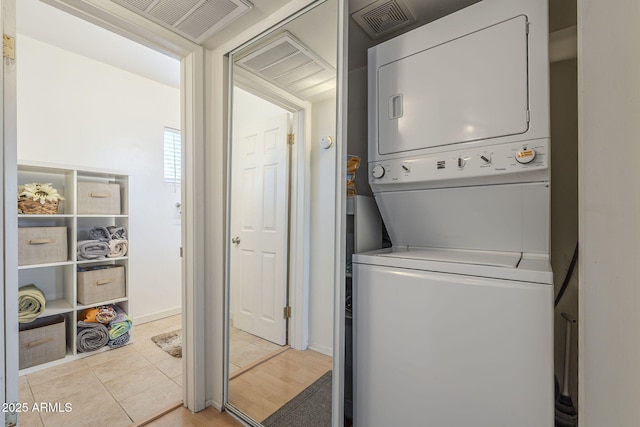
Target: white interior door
(259, 227)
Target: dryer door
(470, 88)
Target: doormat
(171, 342)
(310, 408)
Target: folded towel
(117, 233)
(99, 233)
(91, 336)
(31, 303)
(120, 341)
(120, 325)
(104, 314)
(118, 248)
(92, 249)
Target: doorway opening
(84, 119)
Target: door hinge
(8, 47)
(180, 251)
(286, 312)
(528, 116)
(11, 418)
(290, 138)
(527, 27)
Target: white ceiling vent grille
(287, 63)
(196, 20)
(383, 17)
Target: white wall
(322, 239)
(79, 112)
(609, 206)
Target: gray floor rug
(310, 408)
(171, 342)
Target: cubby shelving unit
(58, 280)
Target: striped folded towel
(120, 325)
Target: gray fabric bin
(98, 198)
(42, 340)
(40, 245)
(101, 283)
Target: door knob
(235, 240)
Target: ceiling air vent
(287, 63)
(196, 20)
(383, 17)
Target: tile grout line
(93, 371)
(118, 401)
(112, 396)
(34, 399)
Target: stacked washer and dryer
(453, 325)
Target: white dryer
(453, 325)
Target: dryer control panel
(518, 157)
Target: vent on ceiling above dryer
(383, 17)
(287, 63)
(196, 20)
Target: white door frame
(9, 231)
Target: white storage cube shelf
(59, 280)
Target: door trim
(9, 231)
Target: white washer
(453, 326)
(452, 338)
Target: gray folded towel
(99, 233)
(91, 336)
(117, 233)
(92, 249)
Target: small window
(172, 155)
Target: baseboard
(157, 315)
(328, 351)
(213, 404)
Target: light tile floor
(245, 349)
(124, 385)
(113, 388)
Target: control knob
(378, 172)
(485, 158)
(526, 155)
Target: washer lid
(488, 258)
(523, 267)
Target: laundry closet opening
(96, 109)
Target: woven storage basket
(98, 198)
(42, 340)
(40, 245)
(30, 206)
(100, 284)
